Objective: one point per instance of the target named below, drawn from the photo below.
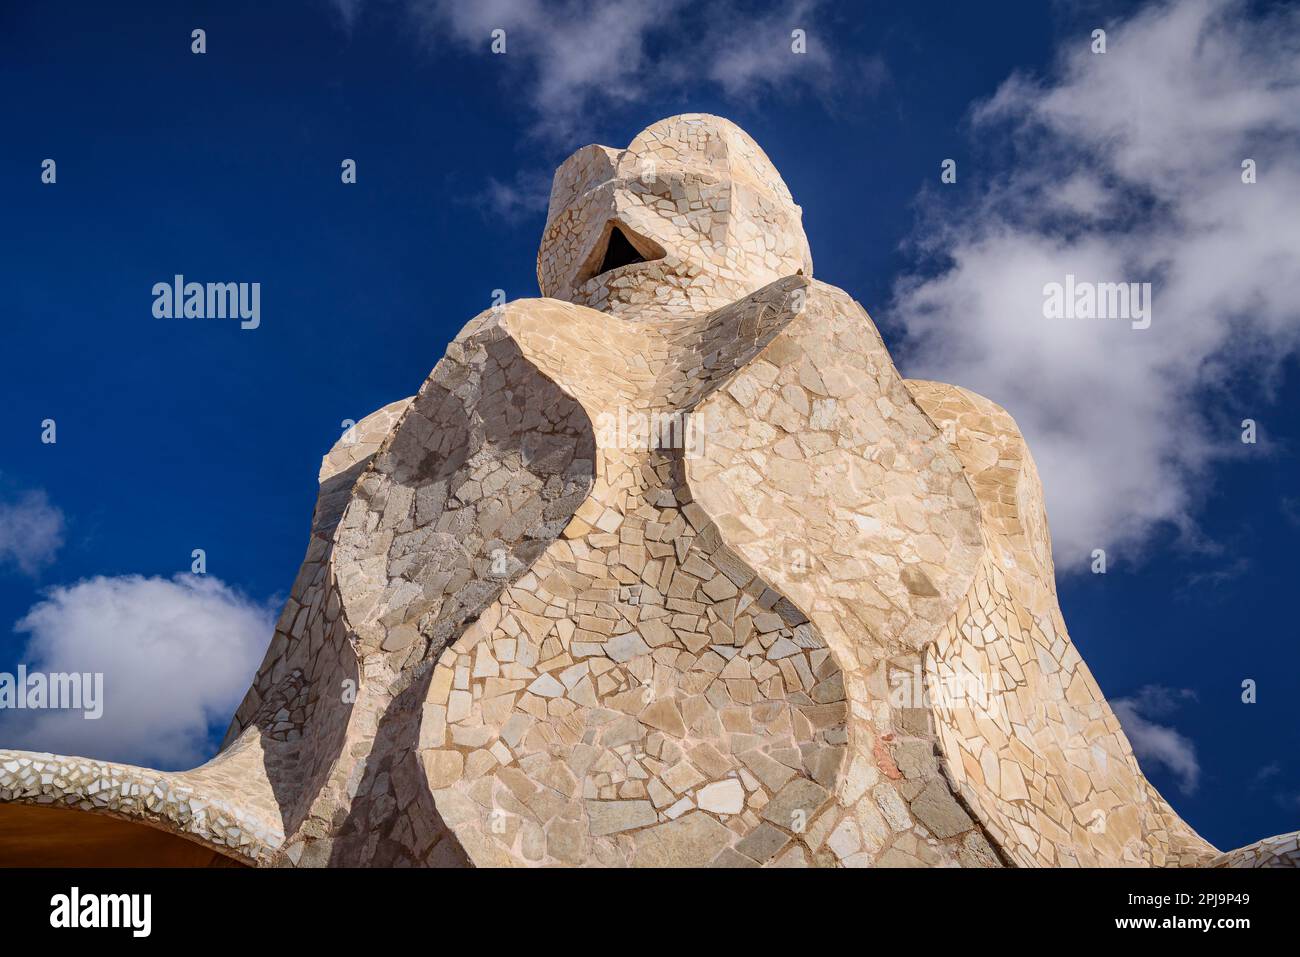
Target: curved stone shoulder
(822, 473)
(485, 464)
(1026, 733)
(483, 468)
(999, 465)
(819, 427)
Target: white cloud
(1158, 744)
(752, 54)
(176, 655)
(572, 54)
(760, 57)
(31, 531)
(580, 57)
(1125, 167)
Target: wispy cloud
(1160, 744)
(176, 654)
(31, 531)
(1125, 167)
(1203, 582)
(569, 62)
(528, 193)
(1266, 774)
(347, 11)
(753, 54)
(1291, 509)
(571, 65)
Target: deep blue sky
(178, 435)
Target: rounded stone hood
(690, 217)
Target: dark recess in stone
(619, 252)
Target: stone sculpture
(669, 567)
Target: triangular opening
(618, 246)
(619, 251)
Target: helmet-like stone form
(690, 217)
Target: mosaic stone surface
(1039, 753)
(669, 568)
